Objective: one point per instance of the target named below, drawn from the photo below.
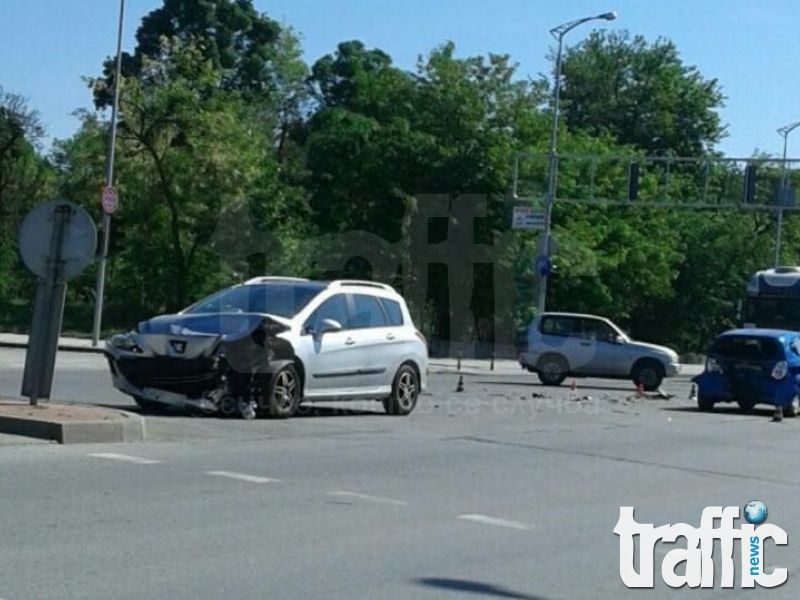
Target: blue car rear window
(748, 348)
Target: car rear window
(748, 348)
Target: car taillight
(712, 366)
(781, 370)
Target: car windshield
(747, 348)
(773, 312)
(280, 299)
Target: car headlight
(125, 341)
(781, 370)
(712, 366)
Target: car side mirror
(618, 339)
(329, 326)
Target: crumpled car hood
(229, 326)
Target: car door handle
(586, 343)
(389, 336)
(349, 341)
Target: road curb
(55, 423)
(24, 346)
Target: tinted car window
(565, 326)
(394, 312)
(281, 299)
(334, 308)
(598, 330)
(748, 348)
(367, 312)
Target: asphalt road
(507, 490)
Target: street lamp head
(609, 16)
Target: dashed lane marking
(494, 521)
(368, 498)
(243, 477)
(125, 458)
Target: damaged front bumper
(191, 370)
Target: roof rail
(355, 282)
(266, 278)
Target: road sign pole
(37, 378)
(101, 267)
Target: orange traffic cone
(639, 390)
(573, 390)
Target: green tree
(25, 179)
(643, 94)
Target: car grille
(189, 377)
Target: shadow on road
(725, 410)
(329, 411)
(302, 411)
(474, 587)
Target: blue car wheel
(705, 403)
(793, 408)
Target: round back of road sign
(78, 242)
(109, 200)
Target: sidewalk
(15, 340)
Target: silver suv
(266, 345)
(560, 345)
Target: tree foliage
(220, 116)
(641, 93)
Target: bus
(772, 300)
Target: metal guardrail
(648, 181)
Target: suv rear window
(748, 348)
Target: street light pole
(552, 165)
(784, 131)
(101, 268)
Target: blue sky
(750, 47)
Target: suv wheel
(283, 393)
(405, 392)
(649, 373)
(552, 369)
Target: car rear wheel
(552, 370)
(793, 408)
(405, 392)
(649, 374)
(283, 393)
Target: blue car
(750, 367)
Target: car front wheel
(704, 403)
(283, 393)
(405, 392)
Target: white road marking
(368, 498)
(126, 458)
(494, 521)
(243, 477)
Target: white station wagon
(266, 345)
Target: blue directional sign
(527, 217)
(543, 265)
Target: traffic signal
(750, 184)
(633, 181)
